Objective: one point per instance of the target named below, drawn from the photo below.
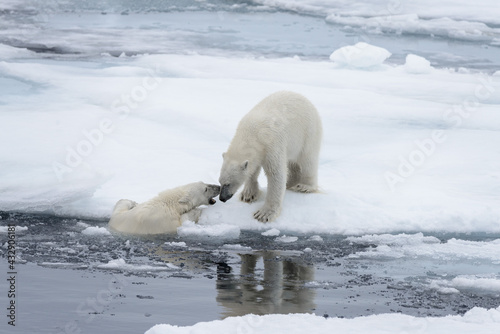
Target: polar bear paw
(266, 214)
(303, 188)
(249, 195)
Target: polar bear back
(283, 118)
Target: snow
(360, 55)
(96, 230)
(477, 320)
(391, 158)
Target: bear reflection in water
(279, 289)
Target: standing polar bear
(281, 134)
(165, 212)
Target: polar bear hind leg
(124, 205)
(294, 172)
(305, 174)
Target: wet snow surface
(97, 280)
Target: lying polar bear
(165, 212)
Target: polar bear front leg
(276, 172)
(193, 215)
(251, 190)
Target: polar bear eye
(206, 189)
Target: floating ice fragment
(113, 264)
(286, 239)
(120, 264)
(96, 230)
(82, 224)
(360, 55)
(63, 265)
(316, 238)
(176, 244)
(223, 231)
(274, 232)
(397, 240)
(236, 247)
(417, 65)
(476, 283)
(172, 266)
(435, 285)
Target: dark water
(62, 286)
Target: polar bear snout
(214, 191)
(225, 193)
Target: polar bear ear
(244, 165)
(223, 155)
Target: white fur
(282, 134)
(163, 213)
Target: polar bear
(165, 212)
(282, 134)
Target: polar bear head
(232, 175)
(199, 193)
